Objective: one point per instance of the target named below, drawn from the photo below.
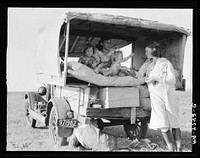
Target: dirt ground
(20, 137)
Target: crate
(112, 97)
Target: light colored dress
(164, 103)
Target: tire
(137, 130)
(30, 121)
(58, 141)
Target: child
(116, 59)
(88, 59)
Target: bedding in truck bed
(84, 73)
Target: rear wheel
(53, 129)
(137, 130)
(29, 119)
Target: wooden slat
(114, 112)
(133, 115)
(66, 56)
(99, 34)
(61, 45)
(77, 38)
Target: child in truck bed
(116, 60)
(88, 59)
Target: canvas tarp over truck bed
(82, 72)
(123, 30)
(124, 22)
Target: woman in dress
(159, 75)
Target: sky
(23, 25)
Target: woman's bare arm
(126, 58)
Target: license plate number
(70, 123)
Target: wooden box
(112, 97)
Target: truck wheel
(30, 121)
(137, 130)
(59, 141)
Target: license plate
(70, 123)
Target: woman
(103, 54)
(160, 78)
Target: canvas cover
(122, 30)
(123, 21)
(93, 26)
(47, 50)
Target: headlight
(42, 91)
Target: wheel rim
(53, 127)
(28, 116)
(135, 130)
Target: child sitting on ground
(88, 59)
(116, 59)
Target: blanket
(83, 72)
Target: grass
(20, 137)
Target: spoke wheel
(30, 121)
(53, 130)
(137, 130)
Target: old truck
(64, 99)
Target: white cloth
(164, 103)
(91, 137)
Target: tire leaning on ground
(137, 130)
(59, 141)
(30, 121)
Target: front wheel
(53, 129)
(29, 119)
(137, 130)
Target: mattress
(84, 73)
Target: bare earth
(20, 137)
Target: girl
(88, 59)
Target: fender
(61, 107)
(32, 98)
